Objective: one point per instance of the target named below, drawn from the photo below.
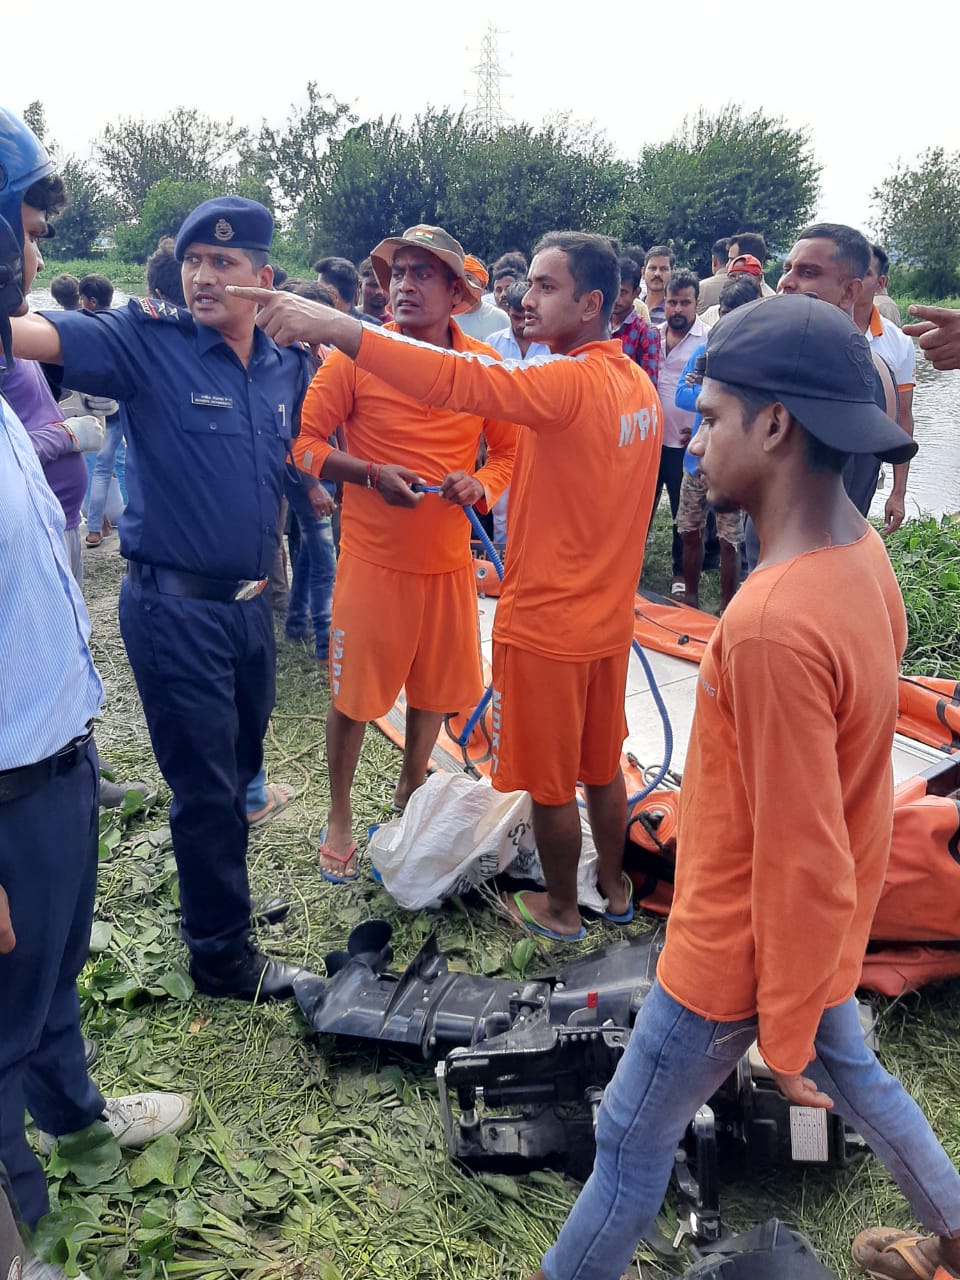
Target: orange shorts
(556, 723)
(392, 629)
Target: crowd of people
(390, 395)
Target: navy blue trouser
(48, 866)
(206, 672)
(671, 475)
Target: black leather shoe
(91, 1051)
(264, 911)
(249, 976)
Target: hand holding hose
(394, 484)
(462, 489)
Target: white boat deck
(677, 682)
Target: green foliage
(185, 146)
(918, 219)
(926, 559)
(296, 159)
(166, 205)
(35, 118)
(722, 174)
(339, 185)
(89, 213)
(512, 186)
(492, 191)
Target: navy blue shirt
(207, 438)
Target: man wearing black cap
(807, 652)
(211, 404)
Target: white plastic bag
(456, 833)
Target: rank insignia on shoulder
(157, 309)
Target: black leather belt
(174, 582)
(17, 783)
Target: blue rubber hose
(667, 729)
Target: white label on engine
(808, 1134)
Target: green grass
(307, 1160)
(128, 276)
(903, 301)
(926, 556)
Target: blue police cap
(232, 221)
(808, 355)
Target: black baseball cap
(812, 358)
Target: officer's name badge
(211, 402)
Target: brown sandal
(903, 1245)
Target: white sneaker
(138, 1118)
(37, 1270)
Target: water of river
(934, 483)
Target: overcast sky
(870, 85)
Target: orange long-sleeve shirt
(582, 488)
(381, 425)
(786, 808)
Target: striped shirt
(49, 687)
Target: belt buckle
(250, 590)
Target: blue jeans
(311, 591)
(105, 497)
(256, 794)
(674, 1061)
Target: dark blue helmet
(23, 161)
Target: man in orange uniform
(781, 852)
(580, 504)
(405, 600)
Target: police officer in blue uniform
(211, 403)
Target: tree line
(338, 184)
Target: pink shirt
(671, 367)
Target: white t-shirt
(895, 347)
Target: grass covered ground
(308, 1161)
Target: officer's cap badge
(223, 230)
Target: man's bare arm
(895, 507)
(36, 339)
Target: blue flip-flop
(371, 832)
(627, 916)
(531, 925)
(343, 858)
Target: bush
(167, 204)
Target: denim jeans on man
(674, 1061)
(106, 496)
(314, 569)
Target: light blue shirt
(504, 342)
(49, 687)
